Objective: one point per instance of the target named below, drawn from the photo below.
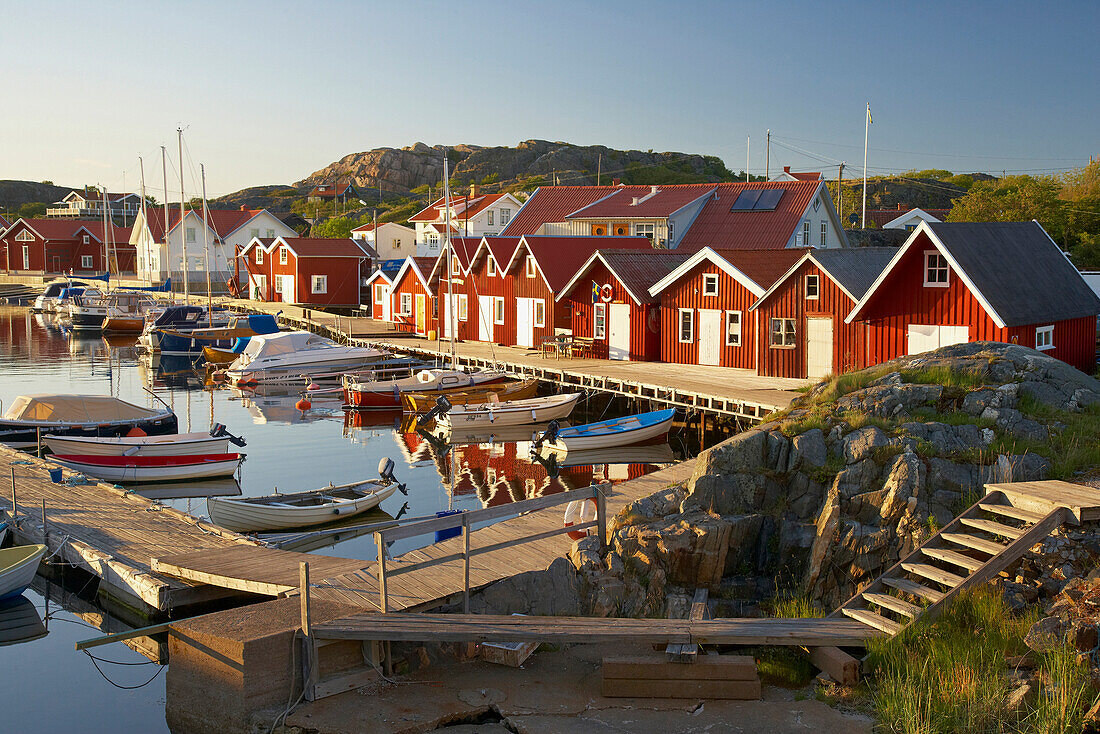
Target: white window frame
(489, 218)
(529, 266)
(816, 280)
(85, 239)
(318, 284)
(254, 233)
(282, 254)
(270, 234)
(942, 266)
(538, 312)
(645, 229)
(463, 307)
(456, 266)
(278, 284)
(26, 257)
(491, 266)
(498, 309)
(710, 279)
(733, 338)
(787, 336)
(86, 262)
(680, 322)
(24, 236)
(1044, 338)
(599, 320)
(806, 233)
(189, 234)
(379, 293)
(505, 216)
(824, 233)
(259, 256)
(406, 301)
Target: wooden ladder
(973, 548)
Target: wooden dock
(110, 533)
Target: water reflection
(20, 621)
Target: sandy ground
(555, 692)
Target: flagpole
(866, 131)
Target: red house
(378, 286)
(540, 268)
(609, 302)
(451, 288)
(706, 302)
(801, 328)
(412, 304)
(952, 283)
(306, 271)
(490, 292)
(63, 245)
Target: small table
(557, 346)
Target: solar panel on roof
(746, 201)
(769, 199)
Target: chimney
(634, 201)
(787, 170)
(473, 190)
(653, 189)
(616, 182)
(244, 207)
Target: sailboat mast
(206, 247)
(144, 218)
(183, 232)
(106, 247)
(167, 251)
(450, 253)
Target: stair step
(1010, 511)
(972, 541)
(954, 558)
(912, 587)
(995, 528)
(893, 603)
(935, 574)
(871, 619)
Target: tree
(335, 227)
(32, 209)
(1013, 199)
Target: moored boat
(31, 416)
(126, 313)
(87, 310)
(233, 335)
(176, 444)
(18, 566)
(368, 392)
(300, 509)
(291, 355)
(419, 402)
(625, 431)
(148, 469)
(47, 301)
(509, 412)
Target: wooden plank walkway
(518, 628)
(110, 533)
(266, 571)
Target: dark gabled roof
(638, 270)
(854, 269)
(1018, 269)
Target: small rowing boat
(18, 566)
(176, 444)
(301, 509)
(623, 431)
(508, 412)
(372, 392)
(419, 402)
(148, 469)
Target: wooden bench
(581, 346)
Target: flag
(869, 120)
(595, 292)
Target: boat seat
(280, 504)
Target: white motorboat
(176, 444)
(30, 416)
(126, 312)
(47, 301)
(300, 509)
(18, 566)
(290, 355)
(87, 310)
(366, 392)
(149, 469)
(508, 412)
(630, 429)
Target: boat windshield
(74, 408)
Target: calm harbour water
(50, 687)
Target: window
(540, 313)
(491, 266)
(687, 325)
(406, 304)
(1044, 338)
(489, 218)
(782, 333)
(397, 243)
(270, 234)
(26, 257)
(805, 234)
(463, 307)
(644, 230)
(505, 216)
(86, 239)
(824, 233)
(498, 310)
(935, 269)
(259, 256)
(24, 236)
(282, 255)
(320, 283)
(278, 284)
(530, 267)
(733, 328)
(253, 233)
(86, 262)
(813, 287)
(456, 266)
(599, 320)
(379, 293)
(190, 234)
(710, 284)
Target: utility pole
(768, 158)
(748, 140)
(866, 132)
(167, 250)
(840, 193)
(599, 168)
(183, 230)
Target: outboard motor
(550, 434)
(219, 430)
(442, 407)
(385, 471)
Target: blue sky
(270, 91)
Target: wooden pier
(110, 533)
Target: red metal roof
(62, 229)
(651, 201)
(4, 223)
(119, 235)
(559, 258)
(223, 221)
(324, 247)
(465, 207)
(553, 204)
(806, 176)
(717, 227)
(328, 190)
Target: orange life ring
(577, 512)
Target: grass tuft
(944, 375)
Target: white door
(710, 336)
(618, 340)
(259, 287)
(819, 347)
(446, 325)
(387, 302)
(525, 322)
(289, 294)
(485, 318)
(925, 338)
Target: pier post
(601, 514)
(45, 528)
(309, 648)
(38, 432)
(466, 563)
(14, 499)
(380, 542)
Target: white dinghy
(176, 444)
(300, 509)
(506, 412)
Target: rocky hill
(14, 194)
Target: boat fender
(303, 405)
(577, 512)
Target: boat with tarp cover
(32, 416)
(290, 355)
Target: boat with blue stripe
(623, 431)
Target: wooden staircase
(972, 549)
